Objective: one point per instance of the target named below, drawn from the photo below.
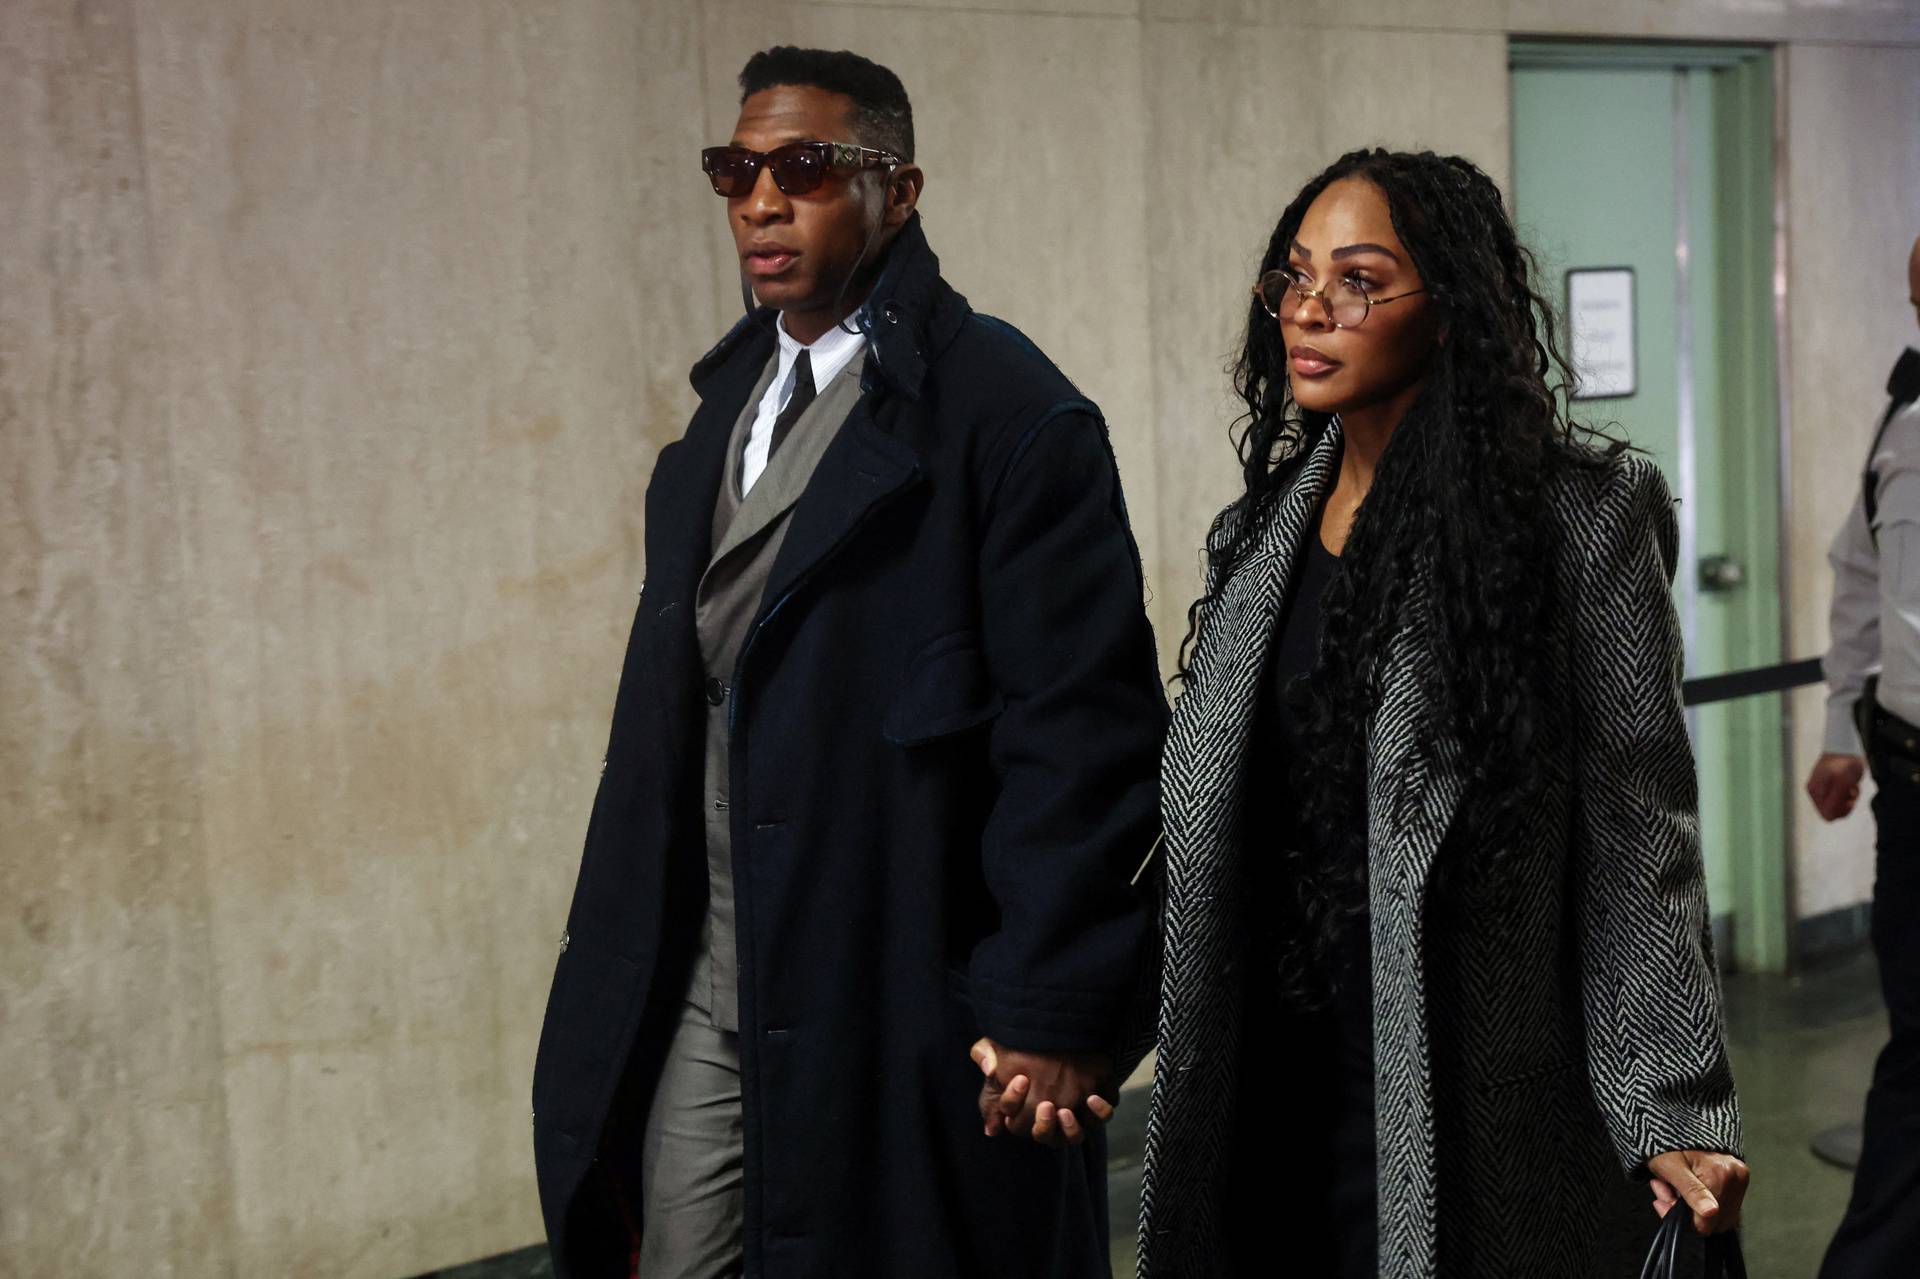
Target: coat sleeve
(1075, 751)
(1656, 1047)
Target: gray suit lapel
(786, 476)
(728, 502)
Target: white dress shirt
(1876, 592)
(829, 354)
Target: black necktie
(797, 403)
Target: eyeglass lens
(798, 168)
(1344, 303)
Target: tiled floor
(1803, 1050)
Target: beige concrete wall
(419, 366)
(336, 342)
(110, 1037)
(1853, 212)
(334, 353)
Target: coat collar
(1415, 768)
(911, 316)
(864, 468)
(1204, 765)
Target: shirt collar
(830, 352)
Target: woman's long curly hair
(1455, 526)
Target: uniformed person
(1873, 724)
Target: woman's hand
(1712, 1184)
(1052, 1098)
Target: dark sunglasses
(798, 167)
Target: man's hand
(1834, 784)
(1712, 1185)
(1055, 1099)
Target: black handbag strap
(1903, 388)
(1724, 1258)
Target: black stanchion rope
(1762, 679)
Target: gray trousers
(690, 1157)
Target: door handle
(1722, 573)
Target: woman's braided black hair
(1458, 506)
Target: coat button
(565, 938)
(716, 692)
(892, 311)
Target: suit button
(566, 939)
(716, 692)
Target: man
(1876, 622)
(881, 769)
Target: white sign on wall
(1600, 322)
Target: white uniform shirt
(1876, 593)
(829, 354)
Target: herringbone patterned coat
(1526, 1054)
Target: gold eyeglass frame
(1320, 295)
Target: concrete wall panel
(1821, 21)
(336, 344)
(115, 1127)
(420, 356)
(1853, 210)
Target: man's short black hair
(882, 116)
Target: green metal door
(1659, 160)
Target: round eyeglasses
(1346, 304)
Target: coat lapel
(1202, 778)
(685, 485)
(787, 474)
(679, 525)
(862, 470)
(1416, 767)
(1416, 774)
(1204, 761)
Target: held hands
(1055, 1099)
(1712, 1185)
(1834, 784)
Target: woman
(1436, 918)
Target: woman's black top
(1322, 1057)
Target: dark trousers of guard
(1880, 1235)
